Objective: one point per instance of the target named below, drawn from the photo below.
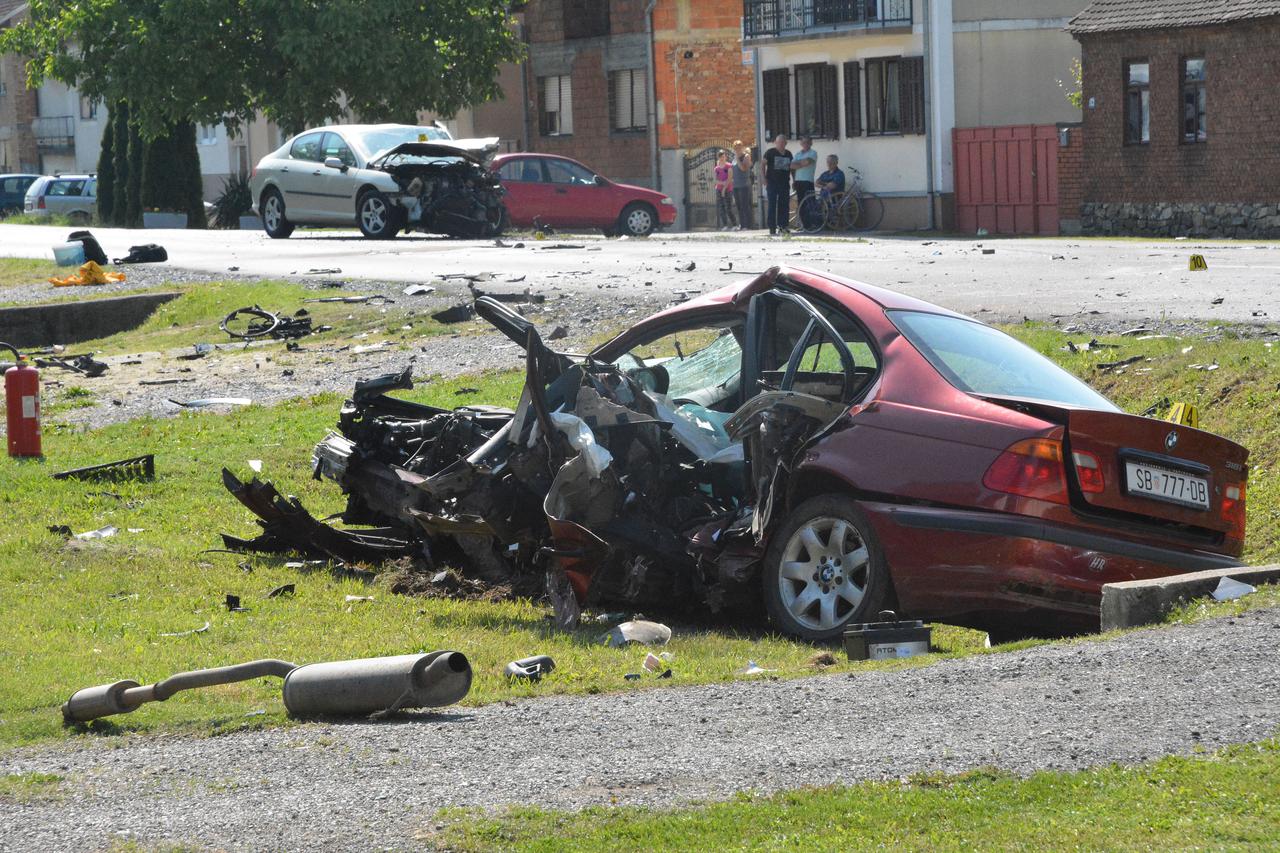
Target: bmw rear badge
(1171, 440)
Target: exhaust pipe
(344, 688)
(377, 685)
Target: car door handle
(315, 173)
(562, 191)
(285, 169)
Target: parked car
(547, 189)
(72, 196)
(13, 192)
(799, 443)
(383, 178)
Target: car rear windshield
(983, 360)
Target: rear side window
(982, 360)
(307, 147)
(525, 171)
(64, 188)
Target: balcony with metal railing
(770, 19)
(54, 133)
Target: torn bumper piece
(288, 527)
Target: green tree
(107, 173)
(188, 180)
(137, 150)
(296, 61)
(120, 149)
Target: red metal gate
(1007, 179)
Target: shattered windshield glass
(379, 141)
(702, 365)
(982, 360)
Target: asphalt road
(1038, 278)
(364, 785)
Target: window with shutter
(555, 112)
(911, 94)
(816, 101)
(777, 102)
(852, 100)
(628, 101)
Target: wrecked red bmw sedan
(813, 446)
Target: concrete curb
(1134, 603)
(72, 322)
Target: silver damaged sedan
(384, 178)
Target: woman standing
(742, 185)
(725, 218)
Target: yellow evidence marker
(1185, 414)
(1197, 263)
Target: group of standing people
(780, 170)
(733, 189)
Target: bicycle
(854, 209)
(868, 208)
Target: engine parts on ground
(255, 322)
(137, 468)
(887, 639)
(351, 688)
(86, 365)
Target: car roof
(360, 128)
(19, 175)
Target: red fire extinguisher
(22, 405)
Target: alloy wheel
(373, 213)
(823, 574)
(271, 213)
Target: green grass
(15, 272)
(26, 787)
(56, 220)
(84, 613)
(1226, 800)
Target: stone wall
(1181, 219)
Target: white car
(384, 178)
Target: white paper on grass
(100, 533)
(1230, 588)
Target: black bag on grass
(148, 254)
(92, 250)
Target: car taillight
(1233, 510)
(40, 203)
(1031, 468)
(1088, 472)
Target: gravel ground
(377, 786)
(268, 374)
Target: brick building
(1182, 117)
(18, 104)
(590, 94)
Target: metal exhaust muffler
(348, 688)
(377, 685)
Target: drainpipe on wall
(654, 174)
(760, 128)
(524, 90)
(928, 113)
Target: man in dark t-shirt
(776, 171)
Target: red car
(547, 189)
(798, 443)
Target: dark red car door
(581, 201)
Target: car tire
(79, 217)
(273, 218)
(814, 585)
(638, 219)
(377, 217)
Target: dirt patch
(414, 577)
